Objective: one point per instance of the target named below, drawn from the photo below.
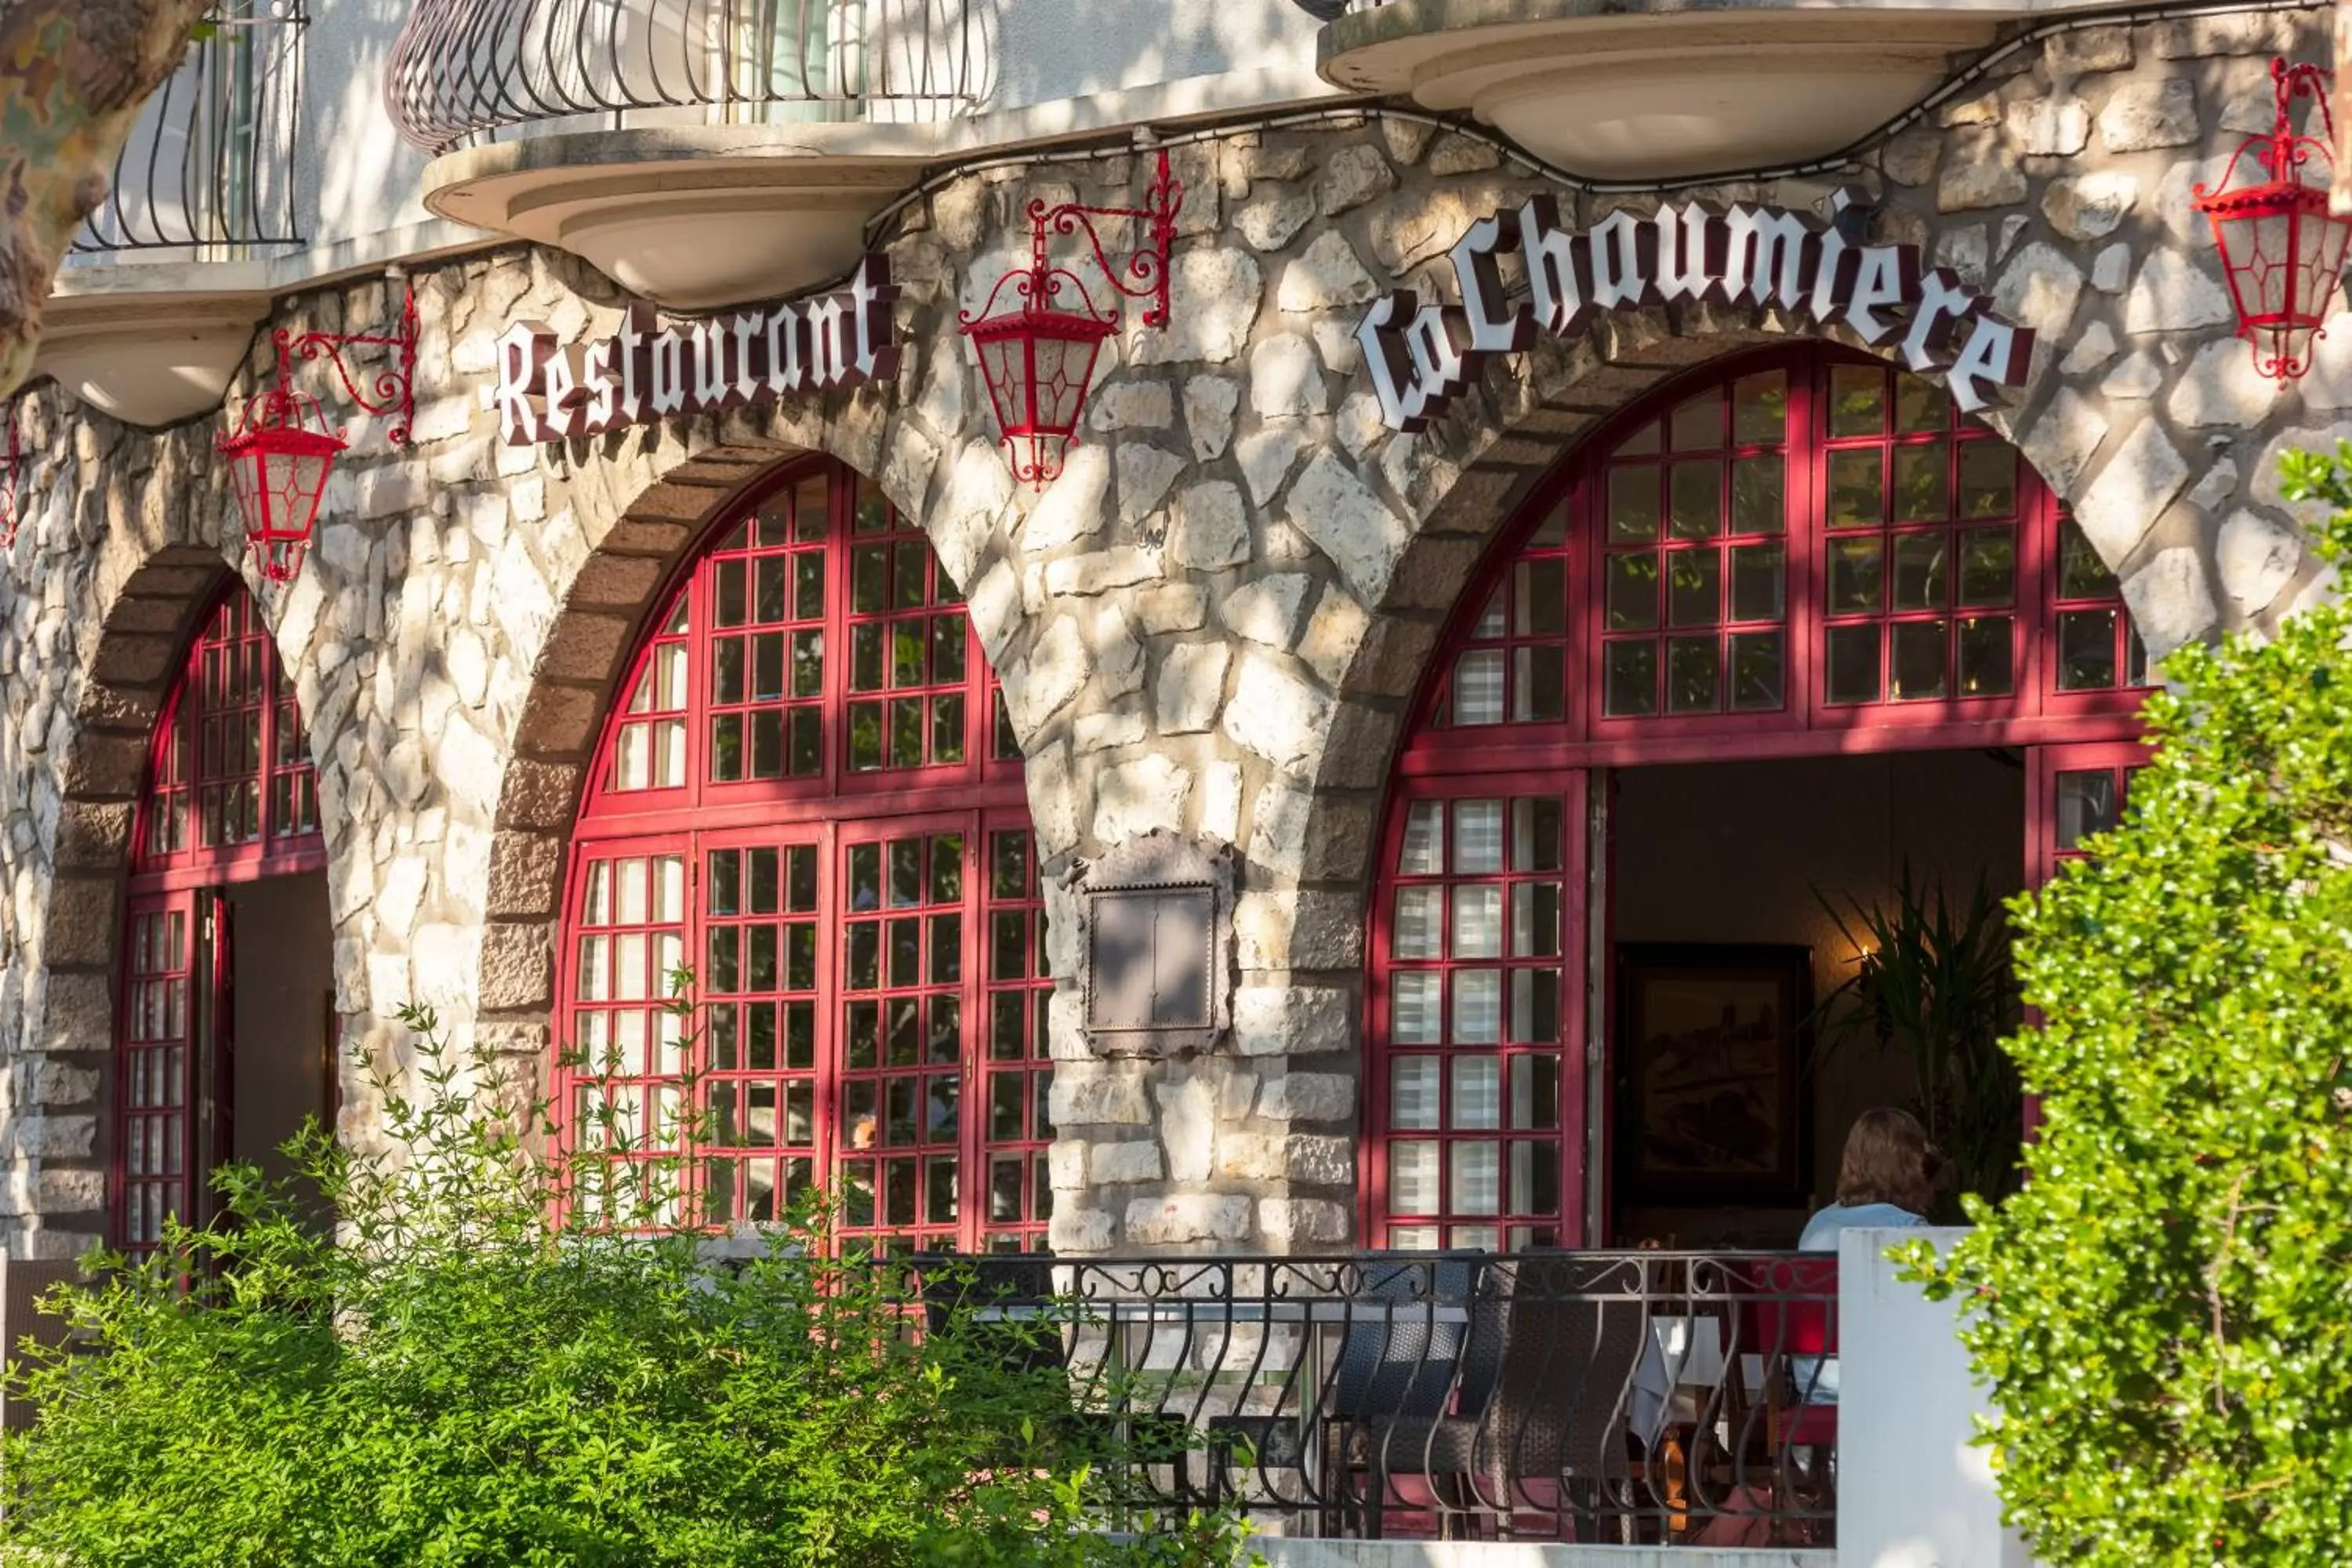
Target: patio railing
(1625, 1397)
(209, 169)
(464, 70)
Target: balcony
(161, 288)
(699, 151)
(1641, 90)
(1640, 1398)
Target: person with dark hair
(1887, 1178)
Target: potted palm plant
(1934, 983)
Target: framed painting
(1712, 1108)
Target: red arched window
(231, 799)
(807, 794)
(1799, 552)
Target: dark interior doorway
(1714, 866)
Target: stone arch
(63, 1076)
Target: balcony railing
(464, 70)
(209, 169)
(1648, 1399)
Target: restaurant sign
(548, 392)
(1422, 355)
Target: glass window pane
(1420, 929)
(1633, 503)
(1412, 1178)
(1693, 587)
(1477, 1093)
(1478, 1007)
(1535, 920)
(1692, 670)
(1535, 835)
(2086, 651)
(1988, 479)
(1541, 587)
(1423, 851)
(1853, 674)
(1922, 484)
(1477, 1178)
(1630, 679)
(1477, 836)
(1857, 574)
(1857, 489)
(1759, 408)
(1987, 657)
(2080, 573)
(1987, 566)
(1857, 400)
(1632, 603)
(1696, 426)
(1758, 499)
(1412, 1093)
(1415, 1018)
(1697, 500)
(2086, 805)
(1478, 687)
(1920, 578)
(1919, 661)
(1759, 582)
(1758, 671)
(1920, 405)
(1535, 1092)
(1479, 921)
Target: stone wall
(1212, 622)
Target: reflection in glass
(1693, 587)
(1987, 657)
(2086, 805)
(1630, 679)
(1692, 668)
(1857, 489)
(1853, 674)
(1919, 664)
(2086, 651)
(1632, 504)
(1758, 671)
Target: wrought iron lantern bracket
(1038, 354)
(2282, 250)
(282, 450)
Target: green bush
(2165, 1312)
(465, 1379)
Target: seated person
(1886, 1179)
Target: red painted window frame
(174, 872)
(829, 810)
(1560, 757)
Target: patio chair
(1390, 1365)
(1545, 1375)
(1791, 1323)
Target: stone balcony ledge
(1640, 90)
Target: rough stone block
(1092, 1095)
(1187, 1217)
(1292, 1020)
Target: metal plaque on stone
(1157, 915)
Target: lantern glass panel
(1064, 365)
(2319, 256)
(2268, 276)
(1000, 367)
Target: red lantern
(2281, 247)
(1038, 358)
(282, 452)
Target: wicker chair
(1389, 1366)
(1541, 1398)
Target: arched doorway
(808, 793)
(224, 1037)
(1794, 598)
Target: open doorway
(1735, 894)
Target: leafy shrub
(2165, 1311)
(476, 1375)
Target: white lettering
(1557, 271)
(1999, 351)
(1686, 242)
(523, 349)
(1768, 255)
(1493, 328)
(669, 373)
(1944, 304)
(1384, 355)
(596, 375)
(1618, 277)
(1887, 277)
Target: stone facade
(1214, 622)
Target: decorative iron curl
(390, 388)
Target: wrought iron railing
(209, 166)
(464, 70)
(1625, 1397)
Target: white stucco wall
(1912, 1491)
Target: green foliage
(476, 1375)
(2162, 1311)
(1935, 984)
